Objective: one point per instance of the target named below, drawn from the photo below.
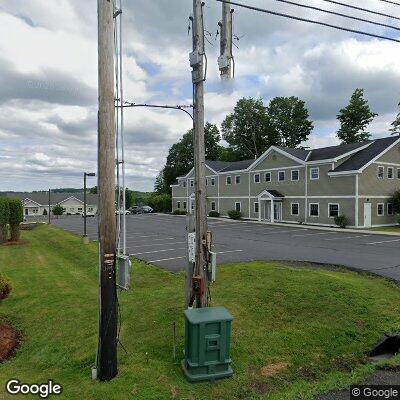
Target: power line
(361, 9)
(341, 28)
(390, 2)
(339, 14)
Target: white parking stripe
(138, 237)
(315, 234)
(385, 241)
(228, 251)
(156, 244)
(166, 259)
(349, 237)
(154, 240)
(156, 251)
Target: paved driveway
(161, 240)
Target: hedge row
(11, 215)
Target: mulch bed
(9, 341)
(15, 243)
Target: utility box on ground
(207, 344)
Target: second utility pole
(200, 281)
(226, 58)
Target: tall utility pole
(200, 279)
(226, 58)
(107, 344)
(49, 206)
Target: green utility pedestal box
(207, 344)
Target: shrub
(179, 212)
(161, 202)
(341, 221)
(5, 287)
(16, 217)
(44, 212)
(213, 214)
(398, 218)
(233, 214)
(58, 210)
(4, 218)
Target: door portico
(270, 206)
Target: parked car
(147, 209)
(118, 212)
(136, 210)
(89, 214)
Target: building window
(256, 208)
(381, 210)
(178, 204)
(184, 183)
(314, 174)
(398, 173)
(281, 176)
(390, 209)
(390, 173)
(268, 177)
(314, 210)
(213, 206)
(295, 208)
(229, 180)
(184, 205)
(212, 181)
(237, 179)
(381, 172)
(295, 175)
(191, 183)
(90, 209)
(192, 205)
(257, 178)
(80, 209)
(206, 181)
(333, 210)
(238, 206)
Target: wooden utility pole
(200, 281)
(107, 344)
(225, 59)
(49, 206)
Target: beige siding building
(304, 186)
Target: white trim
(336, 159)
(387, 172)
(259, 177)
(33, 201)
(375, 197)
(240, 179)
(378, 172)
(383, 209)
(311, 171)
(309, 210)
(380, 154)
(265, 176)
(226, 180)
(298, 210)
(240, 206)
(284, 176)
(341, 173)
(386, 163)
(329, 209)
(298, 175)
(68, 198)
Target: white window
(390, 172)
(80, 209)
(333, 210)
(380, 209)
(178, 204)
(268, 177)
(191, 183)
(381, 172)
(228, 180)
(192, 205)
(281, 176)
(90, 209)
(295, 208)
(206, 181)
(212, 181)
(238, 206)
(184, 205)
(184, 183)
(314, 209)
(256, 208)
(213, 207)
(314, 173)
(237, 179)
(390, 209)
(257, 178)
(295, 175)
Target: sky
(48, 79)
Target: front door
(26, 211)
(367, 215)
(267, 211)
(278, 211)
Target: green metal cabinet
(207, 344)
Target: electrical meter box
(207, 344)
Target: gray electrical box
(223, 62)
(195, 59)
(123, 272)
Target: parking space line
(166, 259)
(385, 241)
(156, 244)
(315, 234)
(348, 237)
(138, 237)
(156, 251)
(228, 251)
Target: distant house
(304, 186)
(36, 203)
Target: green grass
(394, 229)
(319, 322)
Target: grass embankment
(311, 327)
(393, 229)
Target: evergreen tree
(395, 129)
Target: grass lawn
(312, 326)
(394, 229)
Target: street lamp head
(90, 174)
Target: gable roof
(237, 165)
(331, 152)
(301, 154)
(42, 198)
(365, 156)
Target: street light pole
(85, 174)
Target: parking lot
(161, 240)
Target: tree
(289, 120)
(161, 202)
(355, 118)
(4, 218)
(58, 210)
(44, 212)
(247, 130)
(180, 156)
(395, 129)
(16, 217)
(93, 190)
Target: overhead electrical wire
(361, 9)
(390, 2)
(339, 14)
(341, 28)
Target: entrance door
(26, 211)
(367, 215)
(267, 211)
(278, 211)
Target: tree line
(252, 127)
